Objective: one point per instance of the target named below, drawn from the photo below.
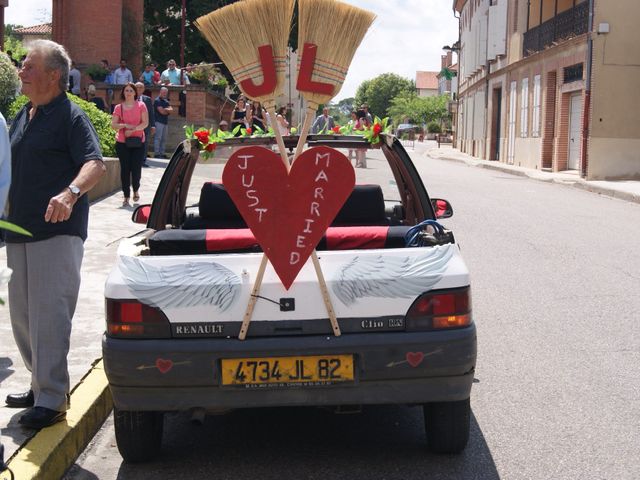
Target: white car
(176, 298)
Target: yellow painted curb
(49, 453)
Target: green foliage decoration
(9, 83)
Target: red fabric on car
(229, 239)
(353, 238)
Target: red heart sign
(414, 358)
(288, 212)
(164, 365)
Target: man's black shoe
(41, 417)
(145, 164)
(20, 400)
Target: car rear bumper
(390, 368)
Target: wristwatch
(74, 189)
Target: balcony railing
(565, 25)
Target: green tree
(11, 42)
(9, 83)
(346, 106)
(379, 91)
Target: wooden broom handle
(279, 140)
(314, 256)
(244, 328)
(308, 120)
(325, 295)
(309, 116)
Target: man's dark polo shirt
(46, 155)
(164, 103)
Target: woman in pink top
(130, 118)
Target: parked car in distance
(409, 130)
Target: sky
(407, 36)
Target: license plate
(286, 371)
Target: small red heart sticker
(164, 365)
(288, 213)
(414, 358)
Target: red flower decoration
(336, 129)
(211, 147)
(377, 128)
(202, 136)
(249, 131)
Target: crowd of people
(253, 116)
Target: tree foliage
(409, 108)
(379, 91)
(12, 44)
(9, 83)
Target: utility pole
(183, 21)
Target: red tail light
(440, 309)
(132, 319)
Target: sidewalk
(628, 190)
(108, 223)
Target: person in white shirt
(122, 75)
(5, 163)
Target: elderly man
(56, 160)
(323, 123)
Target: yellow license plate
(285, 371)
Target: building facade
(535, 84)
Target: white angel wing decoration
(181, 285)
(389, 277)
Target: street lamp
(453, 103)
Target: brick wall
(92, 30)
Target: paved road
(555, 291)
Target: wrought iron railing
(565, 25)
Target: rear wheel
(447, 425)
(138, 434)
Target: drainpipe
(587, 95)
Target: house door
(513, 93)
(575, 117)
(496, 126)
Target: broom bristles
(337, 29)
(236, 31)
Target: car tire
(447, 425)
(138, 434)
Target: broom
(331, 31)
(247, 51)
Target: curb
(578, 183)
(51, 451)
